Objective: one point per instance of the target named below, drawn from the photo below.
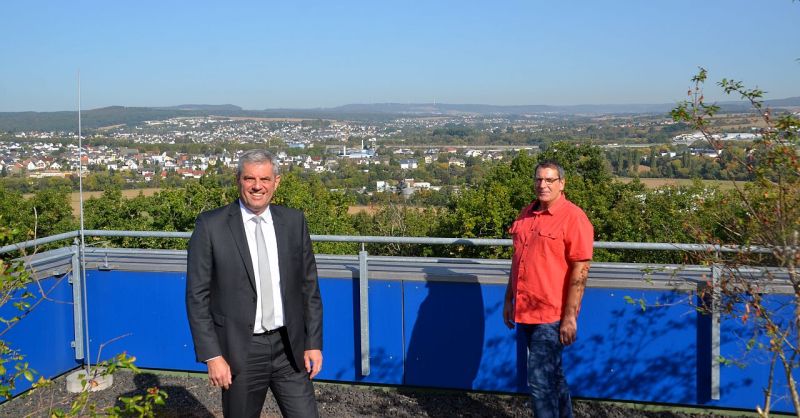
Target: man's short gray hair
(550, 164)
(258, 156)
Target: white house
(409, 164)
(473, 153)
(458, 162)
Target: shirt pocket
(548, 235)
(549, 243)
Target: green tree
(53, 211)
(14, 209)
(767, 215)
(14, 283)
(326, 212)
(393, 220)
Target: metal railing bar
(137, 234)
(665, 246)
(660, 246)
(336, 257)
(437, 260)
(97, 251)
(651, 267)
(37, 241)
(371, 239)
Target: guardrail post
(76, 280)
(716, 274)
(363, 308)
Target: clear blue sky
(306, 54)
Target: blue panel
(436, 334)
(341, 339)
(500, 369)
(457, 339)
(143, 314)
(625, 353)
(44, 336)
(446, 329)
(746, 373)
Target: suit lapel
(236, 226)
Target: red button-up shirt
(545, 243)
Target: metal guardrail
(367, 239)
(363, 261)
(38, 241)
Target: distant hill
(788, 102)
(480, 109)
(204, 108)
(116, 115)
(90, 119)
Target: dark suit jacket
(221, 290)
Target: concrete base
(77, 381)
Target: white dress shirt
(268, 229)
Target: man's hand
(313, 362)
(508, 313)
(569, 330)
(219, 373)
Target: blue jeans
(546, 382)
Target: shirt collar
(248, 214)
(553, 209)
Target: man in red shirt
(553, 241)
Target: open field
(110, 127)
(257, 119)
(75, 197)
(368, 209)
(652, 183)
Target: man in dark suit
(252, 297)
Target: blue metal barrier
(451, 335)
(436, 326)
(44, 336)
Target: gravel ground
(191, 396)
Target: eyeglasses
(538, 180)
